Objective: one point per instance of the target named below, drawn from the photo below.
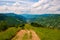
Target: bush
(22, 26)
(36, 25)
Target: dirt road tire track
(31, 33)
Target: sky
(30, 6)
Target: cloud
(18, 7)
(30, 6)
(46, 6)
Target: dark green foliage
(3, 26)
(2, 17)
(36, 24)
(22, 26)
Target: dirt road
(34, 35)
(31, 35)
(19, 35)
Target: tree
(22, 26)
(36, 24)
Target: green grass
(9, 33)
(30, 35)
(47, 34)
(43, 33)
(25, 37)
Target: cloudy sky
(30, 6)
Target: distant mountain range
(47, 20)
(44, 19)
(12, 19)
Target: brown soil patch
(31, 35)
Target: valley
(29, 27)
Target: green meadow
(43, 33)
(9, 33)
(47, 27)
(47, 34)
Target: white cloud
(46, 6)
(23, 6)
(18, 7)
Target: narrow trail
(34, 35)
(19, 35)
(31, 35)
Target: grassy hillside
(9, 33)
(46, 26)
(10, 20)
(45, 33)
(47, 20)
(48, 34)
(51, 20)
(9, 25)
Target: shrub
(22, 26)
(36, 25)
